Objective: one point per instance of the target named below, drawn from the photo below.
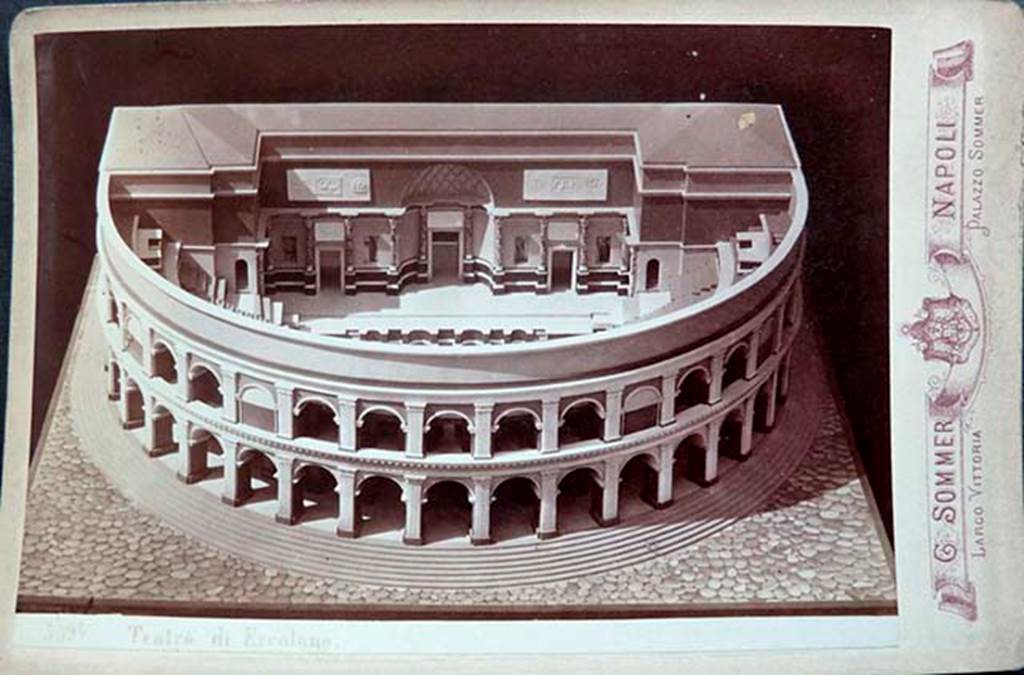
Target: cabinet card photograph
(336, 336)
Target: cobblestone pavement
(814, 541)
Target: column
(769, 417)
(346, 489)
(668, 398)
(285, 491)
(549, 426)
(612, 414)
(229, 385)
(347, 423)
(122, 403)
(581, 262)
(346, 223)
(147, 352)
(184, 383)
(610, 494)
(393, 233)
(666, 460)
(467, 228)
(499, 265)
(717, 373)
(149, 425)
(310, 245)
(747, 435)
(711, 455)
(113, 378)
(780, 327)
(424, 243)
(482, 435)
(784, 375)
(480, 532)
(414, 434)
(230, 494)
(412, 495)
(543, 220)
(186, 464)
(548, 525)
(753, 346)
(285, 419)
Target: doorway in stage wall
(330, 270)
(444, 256)
(562, 264)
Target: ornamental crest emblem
(946, 329)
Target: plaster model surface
(449, 308)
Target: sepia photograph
(337, 324)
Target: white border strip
(250, 636)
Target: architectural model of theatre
(334, 306)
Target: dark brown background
(832, 82)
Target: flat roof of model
(192, 137)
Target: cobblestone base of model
(814, 541)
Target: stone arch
(204, 385)
(315, 417)
(241, 276)
(516, 429)
(165, 363)
(579, 499)
(689, 460)
(382, 427)
(206, 455)
(515, 508)
(730, 435)
(447, 510)
(313, 493)
(762, 403)
(163, 440)
(652, 275)
(641, 408)
(638, 483)
(581, 420)
(134, 413)
(735, 365)
(448, 431)
(257, 406)
(379, 505)
(692, 388)
(257, 476)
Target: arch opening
(579, 501)
(735, 367)
(447, 513)
(379, 507)
(516, 431)
(257, 477)
(206, 457)
(381, 429)
(766, 344)
(688, 467)
(730, 437)
(164, 365)
(448, 433)
(694, 390)
(164, 439)
(134, 412)
(316, 420)
(641, 410)
(314, 494)
(515, 511)
(204, 386)
(652, 275)
(638, 486)
(241, 276)
(582, 421)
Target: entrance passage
(561, 270)
(444, 256)
(330, 270)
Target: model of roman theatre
(466, 312)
